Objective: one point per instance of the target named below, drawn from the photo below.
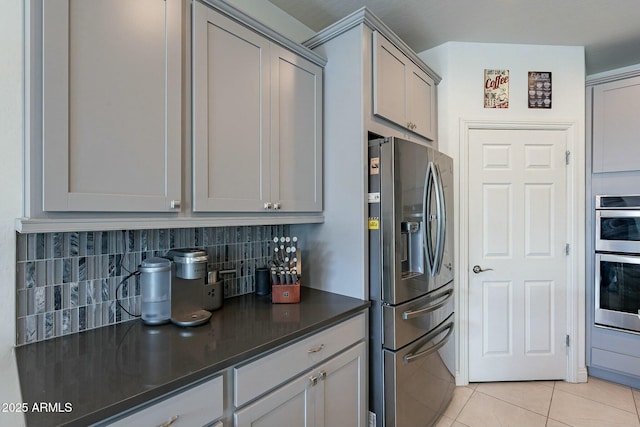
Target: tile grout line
(464, 406)
(604, 403)
(553, 392)
(513, 404)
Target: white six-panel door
(517, 236)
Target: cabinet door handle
(175, 204)
(322, 375)
(316, 349)
(313, 380)
(277, 206)
(268, 205)
(170, 421)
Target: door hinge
(567, 249)
(566, 340)
(567, 156)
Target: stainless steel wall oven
(617, 262)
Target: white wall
(11, 135)
(461, 97)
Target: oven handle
(444, 298)
(412, 357)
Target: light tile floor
(597, 403)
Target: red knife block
(285, 293)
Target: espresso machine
(192, 297)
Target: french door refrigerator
(411, 283)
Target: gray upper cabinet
(257, 121)
(402, 92)
(111, 105)
(616, 125)
(230, 114)
(296, 132)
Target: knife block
(285, 293)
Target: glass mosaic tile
(69, 282)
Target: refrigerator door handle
(442, 220)
(412, 357)
(434, 251)
(428, 244)
(443, 300)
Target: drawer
(264, 374)
(196, 406)
(407, 322)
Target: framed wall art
(496, 88)
(539, 89)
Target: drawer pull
(171, 421)
(316, 349)
(429, 308)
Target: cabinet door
(421, 103)
(290, 405)
(616, 126)
(231, 149)
(111, 105)
(197, 406)
(344, 389)
(296, 132)
(389, 80)
(334, 394)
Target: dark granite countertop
(103, 372)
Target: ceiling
(609, 29)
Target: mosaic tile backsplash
(67, 282)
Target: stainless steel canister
(155, 290)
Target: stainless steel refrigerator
(411, 283)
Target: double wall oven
(617, 262)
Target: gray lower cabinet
(616, 125)
(329, 395)
(319, 381)
(197, 406)
(111, 105)
(257, 121)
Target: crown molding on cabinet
(612, 77)
(364, 15)
(257, 26)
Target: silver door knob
(477, 269)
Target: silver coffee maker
(188, 286)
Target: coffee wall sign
(539, 89)
(496, 88)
